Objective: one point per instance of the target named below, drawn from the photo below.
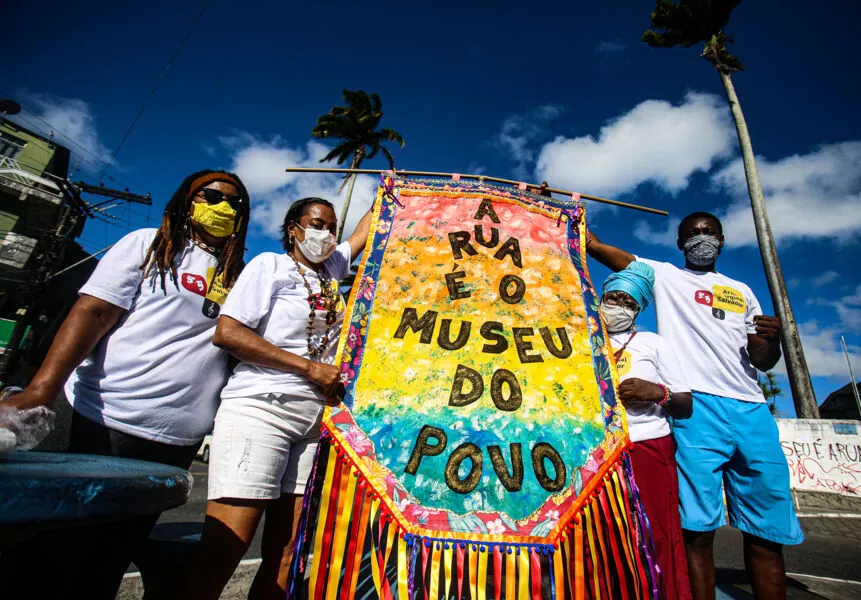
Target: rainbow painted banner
(479, 451)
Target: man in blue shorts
(731, 441)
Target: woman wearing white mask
(282, 320)
(653, 386)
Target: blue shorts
(735, 443)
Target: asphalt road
(187, 521)
(832, 549)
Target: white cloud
(659, 237)
(476, 168)
(655, 142)
(848, 309)
(824, 278)
(815, 195)
(261, 165)
(71, 120)
(520, 133)
(611, 47)
(823, 351)
(850, 317)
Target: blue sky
(562, 91)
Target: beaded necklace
(205, 247)
(190, 235)
(328, 292)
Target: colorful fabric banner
(479, 451)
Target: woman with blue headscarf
(653, 387)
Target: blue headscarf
(637, 280)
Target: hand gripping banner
(479, 451)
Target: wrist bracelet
(666, 399)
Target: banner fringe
(604, 552)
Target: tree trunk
(342, 221)
(354, 164)
(796, 365)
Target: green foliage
(689, 22)
(356, 126)
(771, 390)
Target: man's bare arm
(611, 257)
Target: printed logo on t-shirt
(704, 297)
(729, 299)
(623, 365)
(216, 295)
(721, 299)
(194, 283)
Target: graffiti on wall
(821, 459)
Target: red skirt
(654, 465)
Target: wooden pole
(480, 178)
(793, 354)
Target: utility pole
(72, 212)
(851, 375)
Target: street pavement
(826, 566)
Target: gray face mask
(702, 250)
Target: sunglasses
(616, 299)
(213, 196)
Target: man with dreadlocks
(147, 313)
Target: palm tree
(356, 126)
(770, 391)
(691, 22)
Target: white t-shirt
(648, 356)
(270, 297)
(156, 374)
(708, 317)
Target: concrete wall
(824, 455)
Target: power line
(68, 138)
(153, 90)
(118, 221)
(52, 130)
(80, 262)
(147, 217)
(128, 221)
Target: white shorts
(263, 446)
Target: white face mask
(618, 318)
(318, 244)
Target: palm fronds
(689, 22)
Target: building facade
(32, 174)
(37, 235)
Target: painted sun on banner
(479, 447)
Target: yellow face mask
(216, 219)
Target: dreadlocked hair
(170, 239)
